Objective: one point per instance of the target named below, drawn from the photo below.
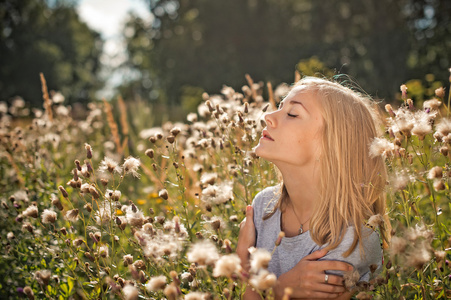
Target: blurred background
(166, 53)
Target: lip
(266, 136)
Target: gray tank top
(293, 249)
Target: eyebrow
(300, 103)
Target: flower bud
(88, 151)
(150, 153)
(163, 194)
(279, 238)
(63, 191)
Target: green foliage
(205, 43)
(51, 39)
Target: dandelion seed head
(131, 166)
(444, 126)
(381, 147)
(351, 278)
(21, 195)
(435, 172)
(48, 216)
(134, 216)
(109, 165)
(440, 92)
(85, 188)
(186, 277)
(263, 280)
(431, 105)
(227, 265)
(43, 277)
(439, 185)
(130, 292)
(77, 242)
(259, 259)
(29, 292)
(375, 221)
(31, 211)
(128, 259)
(72, 215)
(218, 194)
(400, 179)
(156, 283)
(209, 178)
(419, 257)
(203, 253)
(171, 290)
(103, 251)
(421, 129)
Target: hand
(307, 278)
(246, 238)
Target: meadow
(109, 206)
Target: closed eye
(292, 116)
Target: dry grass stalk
(124, 121)
(250, 82)
(123, 111)
(13, 164)
(150, 174)
(113, 126)
(271, 96)
(45, 96)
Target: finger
(329, 288)
(333, 280)
(334, 265)
(316, 255)
(250, 214)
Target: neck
(302, 187)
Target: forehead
(302, 93)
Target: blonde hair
(351, 182)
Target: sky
(108, 18)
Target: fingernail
(248, 208)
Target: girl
(319, 140)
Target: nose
(270, 119)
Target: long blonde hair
(351, 182)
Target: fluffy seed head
(351, 278)
(48, 216)
(31, 211)
(375, 221)
(227, 265)
(109, 165)
(263, 280)
(72, 215)
(203, 253)
(435, 172)
(440, 92)
(131, 166)
(381, 147)
(156, 283)
(259, 259)
(130, 292)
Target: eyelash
(292, 116)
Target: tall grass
(82, 219)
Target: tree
(206, 43)
(49, 38)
